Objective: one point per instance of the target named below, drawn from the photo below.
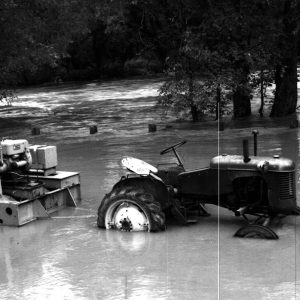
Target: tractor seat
(169, 174)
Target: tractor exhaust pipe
(255, 134)
(246, 151)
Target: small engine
(14, 154)
(30, 186)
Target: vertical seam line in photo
(218, 201)
(296, 255)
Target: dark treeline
(43, 40)
(234, 46)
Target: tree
(213, 46)
(232, 42)
(285, 101)
(35, 36)
(183, 91)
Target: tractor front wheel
(256, 231)
(131, 211)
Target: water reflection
(131, 244)
(53, 284)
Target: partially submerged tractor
(30, 186)
(259, 189)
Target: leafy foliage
(230, 42)
(8, 96)
(36, 34)
(211, 50)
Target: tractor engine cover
(255, 163)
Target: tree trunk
(262, 94)
(285, 101)
(241, 102)
(241, 94)
(286, 94)
(193, 106)
(218, 102)
(194, 113)
(99, 42)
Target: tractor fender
(149, 183)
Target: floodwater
(68, 257)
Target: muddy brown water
(68, 257)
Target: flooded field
(68, 257)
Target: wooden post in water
(36, 131)
(151, 127)
(93, 129)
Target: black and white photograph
(149, 150)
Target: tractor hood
(236, 162)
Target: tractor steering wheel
(173, 147)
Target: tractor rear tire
(131, 208)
